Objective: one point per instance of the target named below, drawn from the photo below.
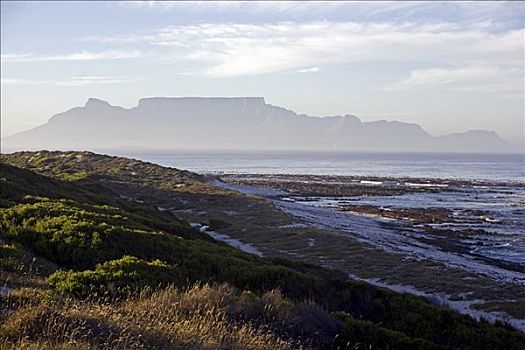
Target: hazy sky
(449, 66)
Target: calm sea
(497, 167)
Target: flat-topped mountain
(240, 123)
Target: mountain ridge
(247, 123)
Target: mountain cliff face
(246, 123)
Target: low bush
(121, 276)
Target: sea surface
(495, 167)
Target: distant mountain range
(244, 123)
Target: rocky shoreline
(476, 219)
(422, 221)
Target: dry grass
(200, 317)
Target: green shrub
(115, 277)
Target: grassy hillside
(90, 262)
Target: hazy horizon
(242, 123)
(448, 66)
(233, 97)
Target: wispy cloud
(477, 78)
(354, 10)
(73, 81)
(296, 7)
(309, 70)
(76, 56)
(13, 57)
(93, 80)
(233, 49)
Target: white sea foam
(464, 307)
(294, 225)
(368, 182)
(414, 184)
(235, 243)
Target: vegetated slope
(100, 251)
(243, 123)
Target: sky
(448, 66)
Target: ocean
(494, 167)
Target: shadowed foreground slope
(85, 266)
